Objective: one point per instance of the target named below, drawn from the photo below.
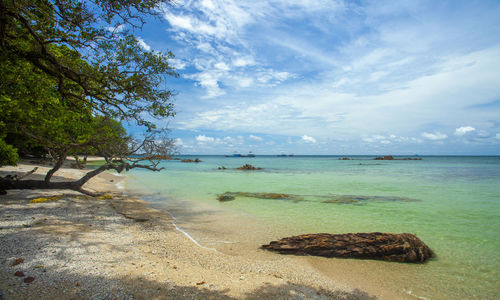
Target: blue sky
(333, 77)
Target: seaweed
(45, 199)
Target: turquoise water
(451, 203)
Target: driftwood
(403, 247)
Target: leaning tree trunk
(57, 166)
(13, 183)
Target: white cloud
(436, 136)
(117, 29)
(205, 139)
(178, 142)
(243, 61)
(255, 138)
(143, 44)
(221, 66)
(216, 29)
(273, 77)
(463, 130)
(177, 63)
(210, 81)
(308, 139)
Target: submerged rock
(228, 196)
(359, 199)
(248, 167)
(402, 247)
(196, 160)
(331, 199)
(225, 197)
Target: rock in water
(402, 247)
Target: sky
(332, 77)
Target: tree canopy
(71, 72)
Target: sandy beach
(116, 247)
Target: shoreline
(83, 247)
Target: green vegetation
(69, 78)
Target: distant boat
(284, 155)
(235, 154)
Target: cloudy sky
(333, 77)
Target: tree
(70, 74)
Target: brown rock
(196, 160)
(29, 279)
(19, 274)
(387, 157)
(403, 247)
(17, 261)
(248, 167)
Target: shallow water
(451, 203)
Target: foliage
(8, 154)
(94, 65)
(71, 72)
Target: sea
(452, 203)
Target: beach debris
(196, 160)
(228, 196)
(19, 274)
(401, 247)
(17, 261)
(46, 199)
(248, 167)
(200, 283)
(29, 279)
